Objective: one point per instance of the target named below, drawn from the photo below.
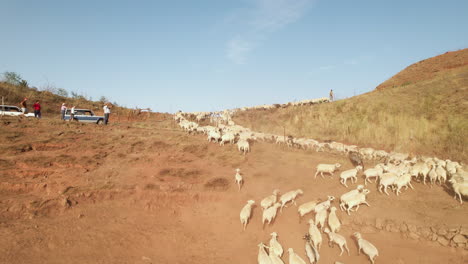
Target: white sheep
(214, 135)
(228, 137)
(441, 174)
(366, 247)
(349, 174)
(263, 257)
(294, 258)
(270, 213)
(460, 187)
(387, 179)
(349, 194)
(243, 146)
(275, 246)
(289, 197)
(324, 205)
(275, 259)
(239, 179)
(403, 180)
(315, 234)
(433, 175)
(452, 166)
(280, 140)
(441, 163)
(337, 239)
(320, 218)
(269, 200)
(327, 168)
(333, 221)
(367, 153)
(306, 208)
(380, 154)
(397, 158)
(246, 212)
(375, 172)
(356, 200)
(402, 167)
(310, 253)
(420, 168)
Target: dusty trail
(148, 193)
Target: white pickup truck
(10, 110)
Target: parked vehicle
(84, 115)
(10, 110)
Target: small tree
(13, 78)
(103, 99)
(62, 92)
(23, 83)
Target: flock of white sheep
(323, 212)
(205, 115)
(394, 174)
(397, 171)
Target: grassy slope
(414, 111)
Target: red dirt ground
(148, 193)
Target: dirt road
(145, 192)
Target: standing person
(63, 110)
(24, 106)
(331, 95)
(106, 113)
(72, 113)
(37, 109)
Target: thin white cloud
(264, 18)
(272, 15)
(238, 49)
(326, 67)
(351, 62)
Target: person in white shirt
(72, 114)
(63, 110)
(106, 113)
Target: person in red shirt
(37, 109)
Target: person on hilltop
(331, 95)
(63, 110)
(37, 109)
(23, 105)
(106, 113)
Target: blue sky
(210, 55)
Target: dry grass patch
(180, 172)
(217, 184)
(428, 117)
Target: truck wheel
(100, 122)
